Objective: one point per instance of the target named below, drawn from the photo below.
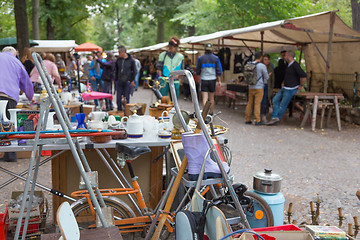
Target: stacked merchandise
(326, 232)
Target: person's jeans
(122, 89)
(264, 101)
(107, 89)
(281, 102)
(255, 97)
(137, 80)
(95, 88)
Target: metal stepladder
(54, 100)
(226, 181)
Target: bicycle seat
(131, 151)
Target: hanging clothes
(224, 55)
(238, 63)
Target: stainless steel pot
(267, 182)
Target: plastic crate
(3, 224)
(288, 227)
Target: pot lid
(267, 174)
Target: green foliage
(7, 19)
(344, 7)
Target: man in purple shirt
(12, 78)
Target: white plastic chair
(67, 223)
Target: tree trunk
(50, 29)
(22, 28)
(355, 6)
(35, 19)
(160, 30)
(191, 30)
(119, 25)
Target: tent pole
(332, 21)
(262, 42)
(223, 46)
(193, 54)
(301, 52)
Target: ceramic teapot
(134, 125)
(97, 116)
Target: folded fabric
(195, 148)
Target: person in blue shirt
(95, 74)
(209, 68)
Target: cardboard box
(35, 211)
(139, 107)
(281, 235)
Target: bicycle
(126, 219)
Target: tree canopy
(139, 23)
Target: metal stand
(74, 145)
(225, 177)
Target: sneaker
(259, 124)
(248, 122)
(273, 121)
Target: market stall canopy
(276, 36)
(88, 47)
(54, 46)
(12, 41)
(284, 34)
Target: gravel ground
(321, 164)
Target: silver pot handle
(266, 183)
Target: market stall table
(66, 177)
(313, 100)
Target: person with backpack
(209, 68)
(256, 76)
(294, 81)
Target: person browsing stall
(125, 72)
(256, 92)
(294, 81)
(209, 68)
(108, 77)
(12, 78)
(170, 61)
(49, 62)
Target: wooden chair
(67, 223)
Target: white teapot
(134, 126)
(97, 116)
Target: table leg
(306, 116)
(323, 108)
(316, 102)
(337, 112)
(329, 116)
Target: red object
(88, 47)
(46, 153)
(288, 227)
(95, 95)
(33, 227)
(3, 225)
(62, 135)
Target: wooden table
(325, 100)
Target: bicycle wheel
(258, 212)
(84, 217)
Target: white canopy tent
(54, 45)
(321, 37)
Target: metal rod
(16, 176)
(65, 124)
(262, 42)
(27, 183)
(118, 179)
(25, 172)
(202, 170)
(207, 135)
(332, 22)
(161, 206)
